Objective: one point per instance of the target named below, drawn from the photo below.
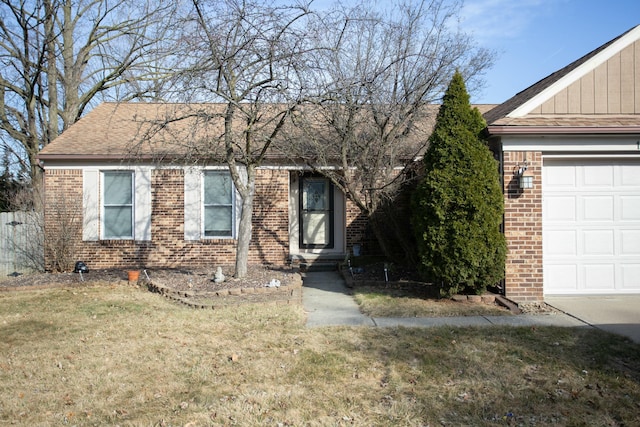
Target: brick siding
(523, 229)
(63, 216)
(270, 237)
(356, 226)
(270, 234)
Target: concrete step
(315, 262)
(319, 266)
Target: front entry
(316, 213)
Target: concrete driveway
(619, 314)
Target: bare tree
(57, 56)
(376, 74)
(245, 56)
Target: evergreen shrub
(457, 208)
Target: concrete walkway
(327, 302)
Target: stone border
(476, 299)
(290, 293)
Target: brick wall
(356, 227)
(63, 217)
(270, 238)
(270, 234)
(523, 229)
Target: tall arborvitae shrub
(457, 208)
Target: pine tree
(8, 185)
(457, 209)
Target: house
(577, 134)
(151, 191)
(572, 140)
(146, 198)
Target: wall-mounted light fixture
(525, 179)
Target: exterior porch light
(525, 180)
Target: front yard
(398, 300)
(110, 354)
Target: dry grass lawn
(118, 355)
(401, 301)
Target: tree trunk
(52, 75)
(72, 69)
(244, 232)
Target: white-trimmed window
(218, 204)
(118, 205)
(121, 209)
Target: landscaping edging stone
(289, 293)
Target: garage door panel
(630, 277)
(591, 232)
(561, 177)
(630, 243)
(629, 176)
(597, 243)
(561, 278)
(561, 243)
(597, 208)
(560, 208)
(596, 176)
(630, 208)
(599, 277)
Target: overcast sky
(534, 38)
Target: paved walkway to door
(327, 302)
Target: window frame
(204, 205)
(104, 205)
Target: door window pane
(316, 229)
(315, 195)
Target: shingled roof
(157, 131)
(121, 130)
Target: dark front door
(316, 213)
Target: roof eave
(94, 157)
(497, 130)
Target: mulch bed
(196, 280)
(200, 288)
(403, 281)
(194, 287)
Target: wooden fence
(21, 243)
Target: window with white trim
(218, 204)
(117, 205)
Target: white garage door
(591, 226)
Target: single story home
(569, 150)
(152, 192)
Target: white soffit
(572, 144)
(577, 73)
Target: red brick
(523, 228)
